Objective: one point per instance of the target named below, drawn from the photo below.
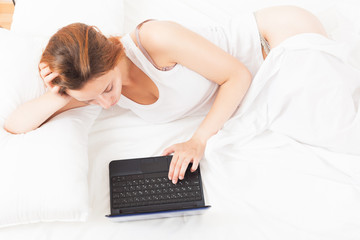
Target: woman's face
(104, 90)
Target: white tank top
(183, 92)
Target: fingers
(44, 70)
(184, 153)
(168, 151)
(46, 74)
(195, 165)
(175, 176)
(182, 169)
(178, 167)
(49, 78)
(172, 166)
(42, 65)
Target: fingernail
(169, 178)
(174, 182)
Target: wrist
(201, 136)
(57, 99)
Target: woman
(162, 72)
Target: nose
(104, 102)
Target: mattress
(285, 166)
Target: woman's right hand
(47, 75)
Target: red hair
(79, 53)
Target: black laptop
(140, 189)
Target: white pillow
(186, 12)
(190, 12)
(45, 17)
(43, 173)
(194, 13)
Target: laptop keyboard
(153, 189)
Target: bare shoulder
(159, 38)
(155, 33)
(280, 22)
(169, 42)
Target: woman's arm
(173, 43)
(34, 113)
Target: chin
(114, 103)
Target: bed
(285, 166)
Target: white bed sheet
(261, 180)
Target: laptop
(140, 189)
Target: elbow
(9, 130)
(247, 76)
(10, 127)
(244, 76)
(244, 80)
(239, 81)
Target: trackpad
(156, 164)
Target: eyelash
(107, 91)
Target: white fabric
(43, 18)
(300, 125)
(239, 37)
(242, 40)
(43, 173)
(262, 184)
(174, 100)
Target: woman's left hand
(184, 153)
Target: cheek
(118, 89)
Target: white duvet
(286, 166)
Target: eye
(109, 88)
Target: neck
(131, 74)
(125, 66)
